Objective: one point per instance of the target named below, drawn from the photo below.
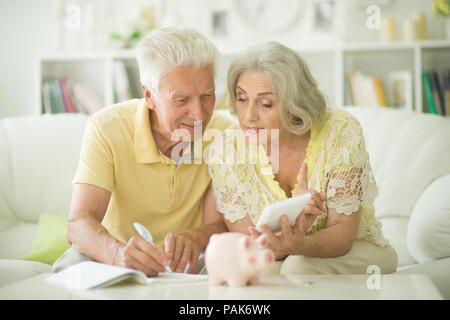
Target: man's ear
(149, 98)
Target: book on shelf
(436, 91)
(365, 90)
(55, 96)
(355, 80)
(381, 97)
(63, 96)
(400, 89)
(67, 95)
(349, 95)
(437, 96)
(446, 90)
(90, 275)
(428, 92)
(46, 103)
(60, 95)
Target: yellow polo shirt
(119, 154)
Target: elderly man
(133, 166)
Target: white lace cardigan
(338, 164)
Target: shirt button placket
(172, 187)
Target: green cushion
(50, 241)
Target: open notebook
(89, 275)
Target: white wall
(29, 27)
(26, 28)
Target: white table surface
(271, 287)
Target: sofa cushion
(408, 151)
(17, 240)
(15, 270)
(395, 230)
(428, 236)
(42, 159)
(50, 241)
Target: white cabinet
(329, 64)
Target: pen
(147, 236)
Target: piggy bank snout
(263, 259)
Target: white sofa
(410, 156)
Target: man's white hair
(173, 46)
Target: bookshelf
(329, 64)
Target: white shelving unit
(415, 56)
(329, 64)
(94, 68)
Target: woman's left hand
(284, 242)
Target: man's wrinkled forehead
(177, 78)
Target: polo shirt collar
(144, 145)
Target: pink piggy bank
(236, 258)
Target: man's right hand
(141, 255)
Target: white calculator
(290, 207)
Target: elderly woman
(321, 150)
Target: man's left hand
(182, 248)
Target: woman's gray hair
(173, 46)
(301, 103)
